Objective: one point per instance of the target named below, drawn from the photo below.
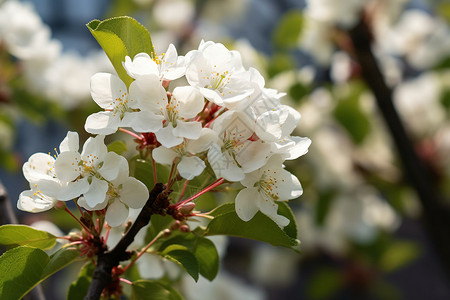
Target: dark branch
(436, 215)
(109, 259)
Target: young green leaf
(183, 258)
(118, 147)
(203, 249)
(261, 227)
(79, 288)
(207, 257)
(153, 290)
(20, 270)
(62, 258)
(21, 235)
(120, 37)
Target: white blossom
(263, 188)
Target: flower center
(266, 185)
(120, 105)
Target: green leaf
(60, 259)
(287, 33)
(157, 223)
(120, 37)
(20, 271)
(398, 254)
(203, 249)
(78, 289)
(207, 257)
(349, 114)
(118, 147)
(143, 171)
(20, 235)
(183, 258)
(260, 227)
(153, 290)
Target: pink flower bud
(187, 208)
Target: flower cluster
(98, 178)
(223, 120)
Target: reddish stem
(82, 225)
(184, 189)
(205, 190)
(131, 133)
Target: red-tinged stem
(77, 243)
(126, 281)
(169, 184)
(73, 216)
(160, 234)
(155, 176)
(184, 189)
(205, 190)
(79, 208)
(108, 229)
(131, 133)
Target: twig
(436, 214)
(109, 259)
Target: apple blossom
(121, 108)
(263, 188)
(217, 73)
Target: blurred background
(365, 231)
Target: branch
(7, 215)
(107, 260)
(435, 214)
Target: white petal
(39, 166)
(143, 121)
(106, 87)
(147, 93)
(167, 138)
(110, 168)
(206, 139)
(163, 155)
(141, 65)
(269, 208)
(212, 95)
(70, 142)
(82, 203)
(97, 192)
(223, 165)
(246, 203)
(292, 147)
(31, 202)
(269, 126)
(134, 193)
(190, 101)
(94, 147)
(102, 123)
(189, 130)
(66, 166)
(50, 187)
(189, 167)
(73, 189)
(116, 213)
(253, 155)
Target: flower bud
(167, 233)
(176, 225)
(187, 208)
(185, 228)
(60, 205)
